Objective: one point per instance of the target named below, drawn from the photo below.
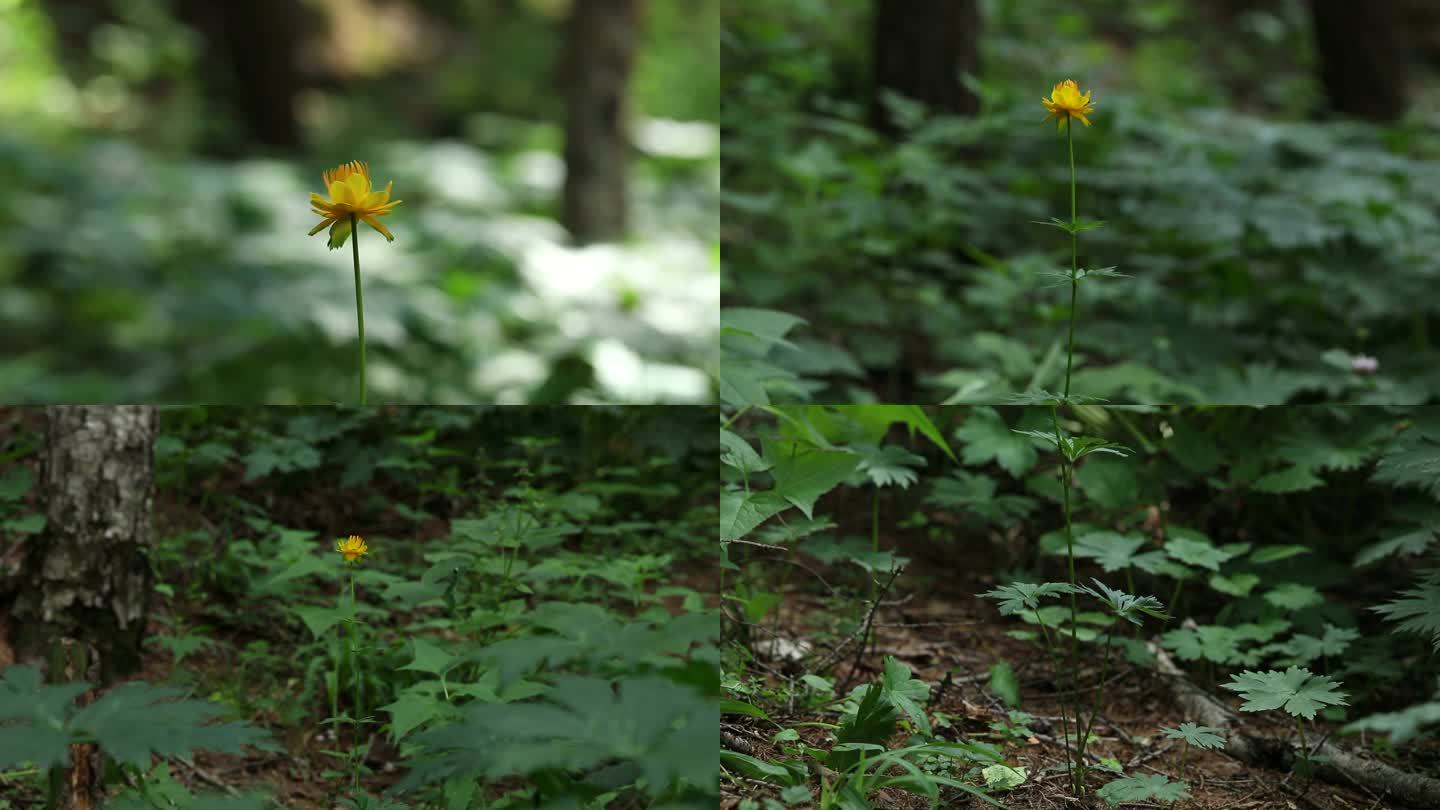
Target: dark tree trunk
(600, 54)
(1363, 58)
(251, 51)
(921, 49)
(86, 579)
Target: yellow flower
(351, 194)
(1065, 101)
(352, 548)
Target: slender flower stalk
(353, 549)
(352, 200)
(359, 307)
(1066, 104)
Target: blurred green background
(156, 160)
(1267, 169)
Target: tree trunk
(921, 49)
(251, 51)
(87, 577)
(1363, 61)
(600, 54)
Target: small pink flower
(1364, 364)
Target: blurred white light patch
(512, 374)
(672, 281)
(687, 140)
(538, 172)
(625, 377)
(452, 171)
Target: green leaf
(907, 694)
(878, 418)
(1144, 788)
(731, 706)
(15, 483)
(1305, 648)
(1412, 542)
(1198, 736)
(1109, 482)
(319, 620)
(33, 523)
(430, 658)
(891, 465)
(1417, 609)
(1193, 548)
(1402, 725)
(1004, 777)
(803, 473)
(1269, 554)
(1292, 479)
(1020, 596)
(736, 452)
(411, 711)
(741, 512)
(1298, 691)
(1126, 606)
(756, 768)
(764, 325)
(1115, 551)
(1237, 585)
(1004, 684)
(985, 438)
(1292, 596)
(871, 721)
(136, 720)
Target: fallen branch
(1341, 768)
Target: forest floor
(246, 654)
(933, 622)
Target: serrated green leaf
(803, 473)
(985, 437)
(1145, 787)
(1292, 479)
(1298, 691)
(430, 658)
(1198, 736)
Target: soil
(933, 622)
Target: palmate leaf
(985, 438)
(1402, 725)
(1298, 691)
(1198, 736)
(130, 722)
(648, 730)
(890, 465)
(1144, 788)
(1417, 609)
(1071, 226)
(1021, 596)
(1193, 548)
(1039, 397)
(1126, 606)
(1075, 448)
(1062, 277)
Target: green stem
(1064, 716)
(355, 673)
(1099, 690)
(359, 300)
(1070, 562)
(1074, 256)
(874, 534)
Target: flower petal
(321, 226)
(375, 223)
